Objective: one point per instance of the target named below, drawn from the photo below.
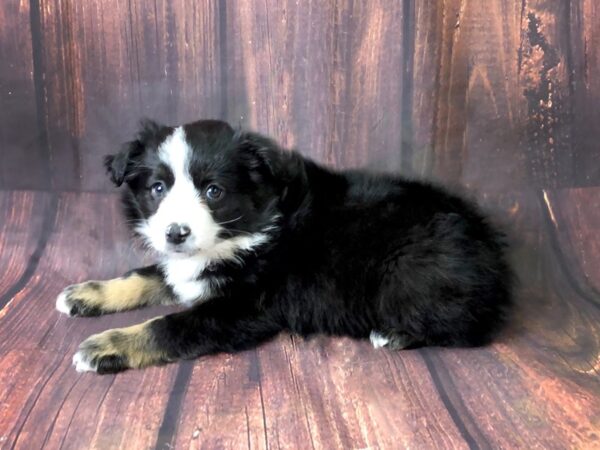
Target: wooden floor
(537, 387)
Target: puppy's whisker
(230, 221)
(232, 230)
(142, 166)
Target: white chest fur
(182, 275)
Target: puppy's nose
(177, 234)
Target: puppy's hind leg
(138, 288)
(394, 340)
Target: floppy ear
(121, 163)
(266, 157)
(285, 170)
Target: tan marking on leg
(122, 293)
(119, 294)
(119, 349)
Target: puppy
(255, 240)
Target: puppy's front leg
(140, 287)
(212, 327)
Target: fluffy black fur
(349, 253)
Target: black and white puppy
(256, 240)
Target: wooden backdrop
(494, 94)
(499, 97)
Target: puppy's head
(201, 188)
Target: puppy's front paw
(102, 353)
(120, 349)
(80, 299)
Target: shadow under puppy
(256, 240)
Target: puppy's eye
(214, 192)
(158, 189)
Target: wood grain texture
(578, 211)
(481, 94)
(496, 98)
(536, 387)
(106, 64)
(20, 128)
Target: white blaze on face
(182, 204)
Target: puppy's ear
(284, 170)
(264, 156)
(120, 164)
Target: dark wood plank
(587, 63)
(555, 59)
(20, 143)
(25, 220)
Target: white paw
(82, 363)
(378, 340)
(61, 303)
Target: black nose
(177, 234)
